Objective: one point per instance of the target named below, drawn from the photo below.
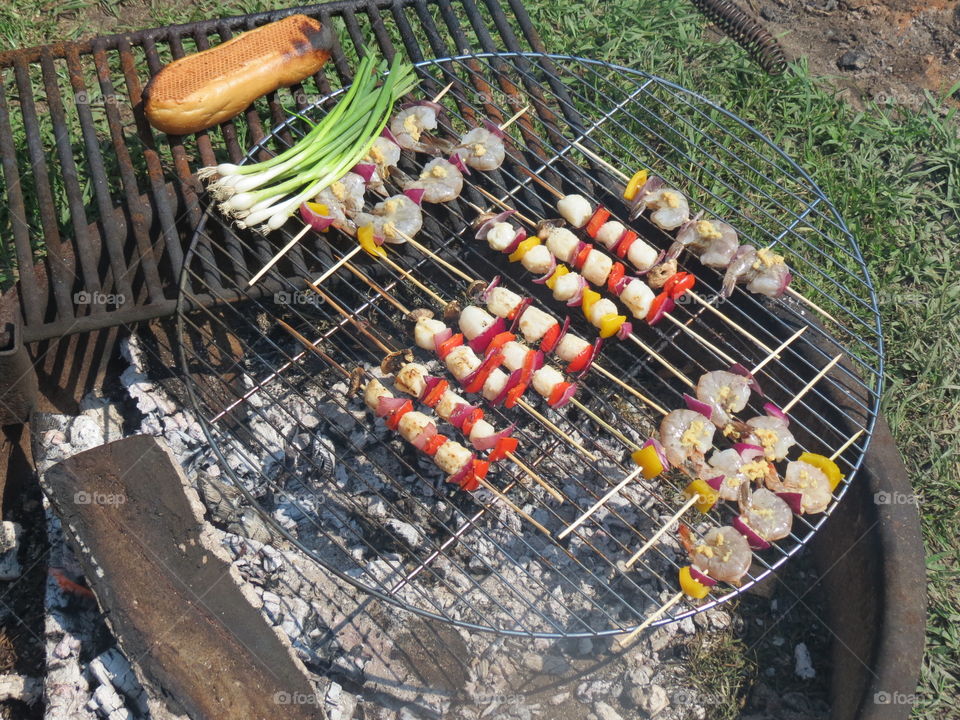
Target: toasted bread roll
(210, 87)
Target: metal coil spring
(747, 32)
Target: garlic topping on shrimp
(384, 154)
(810, 481)
(686, 435)
(727, 463)
(726, 392)
(481, 149)
(393, 218)
(411, 123)
(763, 271)
(440, 180)
(670, 207)
(345, 195)
(772, 434)
(724, 555)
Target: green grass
(892, 173)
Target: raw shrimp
(727, 463)
(686, 435)
(714, 241)
(772, 434)
(724, 554)
(384, 154)
(411, 123)
(343, 197)
(669, 206)
(768, 515)
(481, 149)
(810, 481)
(725, 392)
(769, 274)
(738, 268)
(441, 181)
(393, 218)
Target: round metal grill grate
(362, 503)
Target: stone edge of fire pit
(177, 606)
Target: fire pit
(279, 418)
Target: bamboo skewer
(483, 483)
(598, 504)
(651, 618)
(338, 264)
(663, 529)
(273, 261)
(772, 354)
(850, 441)
(809, 385)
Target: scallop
(373, 392)
(597, 267)
(566, 286)
(538, 260)
(545, 380)
(411, 379)
(474, 321)
(514, 355)
(500, 235)
(601, 308)
(462, 361)
(494, 384)
(642, 255)
(451, 457)
(563, 244)
(575, 209)
(638, 297)
(610, 234)
(502, 301)
(570, 347)
(448, 403)
(412, 424)
(534, 324)
(424, 331)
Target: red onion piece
(716, 482)
(518, 312)
(738, 369)
(515, 243)
(480, 342)
(430, 382)
(458, 162)
(485, 227)
(415, 194)
(793, 499)
(753, 539)
(389, 135)
(485, 295)
(567, 396)
(314, 219)
(460, 413)
(577, 298)
(665, 307)
(490, 441)
(773, 411)
(661, 453)
(787, 277)
(622, 283)
(538, 360)
(461, 475)
(441, 337)
(364, 170)
(544, 278)
(494, 128)
(748, 452)
(564, 329)
(387, 405)
(624, 330)
(701, 578)
(699, 406)
(512, 381)
(420, 441)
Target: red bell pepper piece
(580, 361)
(600, 216)
(581, 257)
(449, 344)
(472, 419)
(393, 419)
(504, 445)
(499, 340)
(678, 283)
(433, 397)
(616, 275)
(557, 393)
(623, 247)
(550, 338)
(490, 362)
(433, 444)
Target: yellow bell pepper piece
(590, 297)
(610, 324)
(365, 238)
(690, 586)
(523, 248)
(826, 465)
(636, 182)
(708, 496)
(648, 461)
(319, 208)
(558, 273)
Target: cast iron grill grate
(367, 508)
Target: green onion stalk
(266, 194)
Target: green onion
(265, 194)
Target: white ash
(9, 549)
(344, 511)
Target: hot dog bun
(210, 87)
